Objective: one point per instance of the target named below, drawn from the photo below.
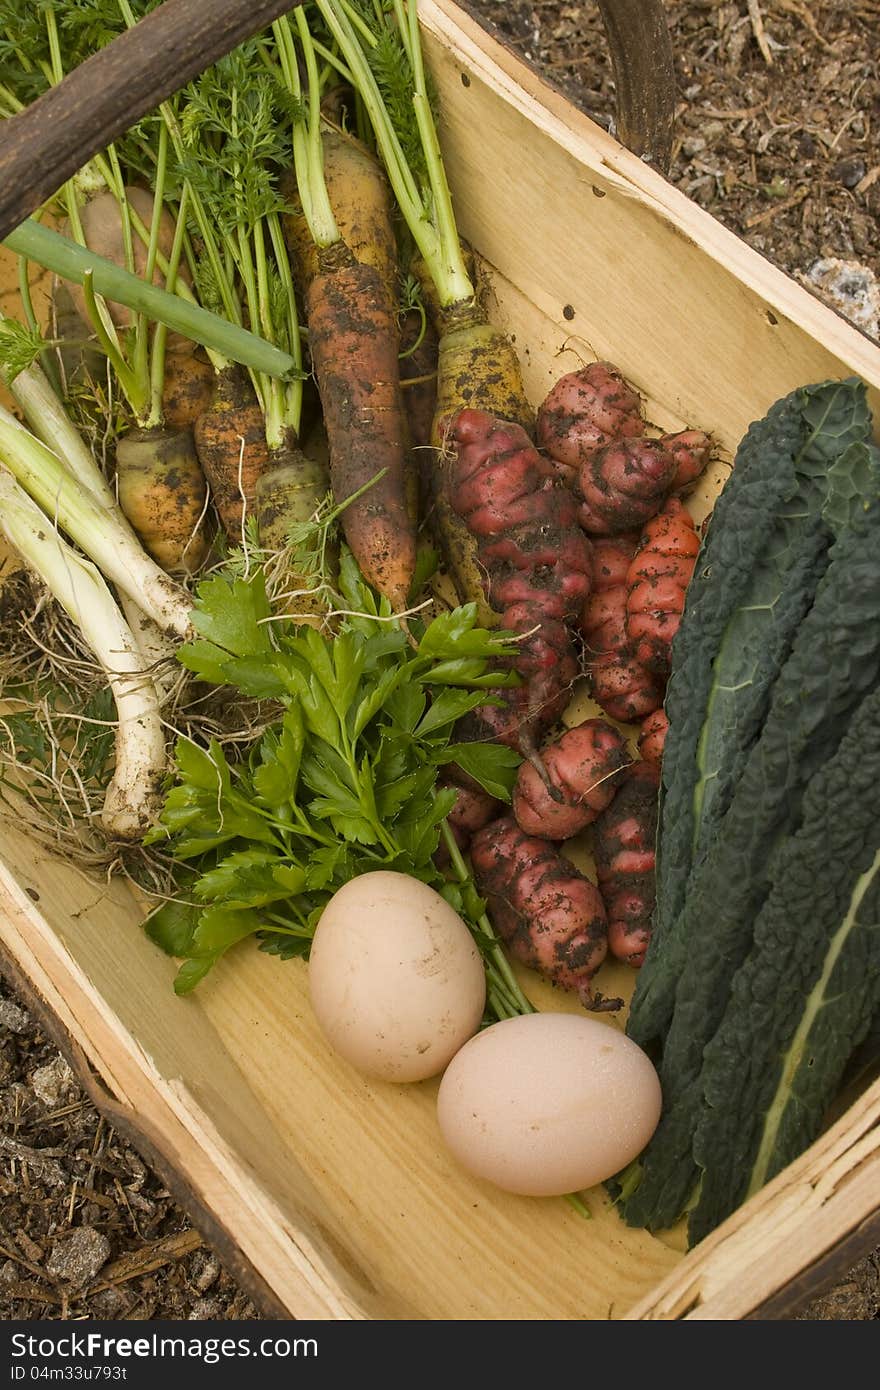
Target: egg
(396, 982)
(548, 1103)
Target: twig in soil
(757, 21)
(147, 1259)
(769, 213)
(41, 1161)
(29, 1293)
(802, 13)
(868, 181)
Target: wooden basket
(330, 1196)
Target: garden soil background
(778, 136)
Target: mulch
(777, 136)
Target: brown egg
(548, 1103)
(396, 982)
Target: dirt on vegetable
(778, 108)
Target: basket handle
(640, 45)
(44, 145)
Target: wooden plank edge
(551, 111)
(643, 61)
(822, 1275)
(149, 1146)
(292, 1269)
(797, 1223)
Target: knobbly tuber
(691, 450)
(657, 579)
(623, 485)
(584, 412)
(623, 844)
(473, 809)
(620, 685)
(653, 736)
(536, 565)
(623, 688)
(584, 767)
(549, 914)
(603, 619)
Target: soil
(777, 136)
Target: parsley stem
(580, 1207)
(498, 958)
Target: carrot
(160, 484)
(163, 494)
(230, 439)
(287, 495)
(342, 238)
(477, 366)
(477, 363)
(187, 390)
(102, 231)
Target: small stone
(13, 1017)
(849, 172)
(206, 1271)
(849, 287)
(9, 1272)
(205, 1310)
(77, 1257)
(53, 1083)
(693, 145)
(109, 1303)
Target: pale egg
(396, 981)
(548, 1103)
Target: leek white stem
(133, 798)
(50, 422)
(104, 536)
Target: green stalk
(272, 393)
(133, 388)
(157, 361)
(293, 390)
(498, 958)
(440, 195)
(72, 262)
(437, 242)
(104, 537)
(308, 154)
